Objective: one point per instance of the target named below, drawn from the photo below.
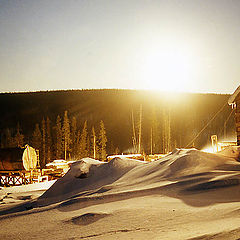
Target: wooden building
(234, 100)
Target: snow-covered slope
(101, 194)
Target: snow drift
(189, 194)
(184, 170)
(179, 174)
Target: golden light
(168, 69)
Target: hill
(175, 119)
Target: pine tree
(43, 153)
(102, 141)
(117, 151)
(37, 138)
(83, 142)
(48, 140)
(19, 137)
(78, 151)
(59, 148)
(93, 144)
(74, 136)
(66, 134)
(9, 140)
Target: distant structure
(18, 165)
(14, 159)
(234, 101)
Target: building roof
(231, 100)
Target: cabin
(234, 101)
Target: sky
(185, 46)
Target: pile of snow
(183, 170)
(89, 177)
(188, 194)
(85, 176)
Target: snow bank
(87, 175)
(182, 172)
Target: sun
(167, 69)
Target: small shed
(234, 100)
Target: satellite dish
(29, 158)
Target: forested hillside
(168, 121)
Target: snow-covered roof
(231, 100)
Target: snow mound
(87, 175)
(181, 173)
(190, 168)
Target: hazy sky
(187, 45)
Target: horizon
(127, 89)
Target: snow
(186, 194)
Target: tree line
(167, 120)
(61, 140)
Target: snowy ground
(188, 194)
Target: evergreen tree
(102, 141)
(83, 142)
(48, 140)
(59, 148)
(9, 140)
(37, 138)
(66, 134)
(74, 136)
(43, 153)
(93, 144)
(78, 150)
(19, 137)
(117, 151)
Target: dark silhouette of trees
(37, 138)
(19, 137)
(66, 134)
(58, 138)
(43, 152)
(48, 140)
(188, 115)
(102, 141)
